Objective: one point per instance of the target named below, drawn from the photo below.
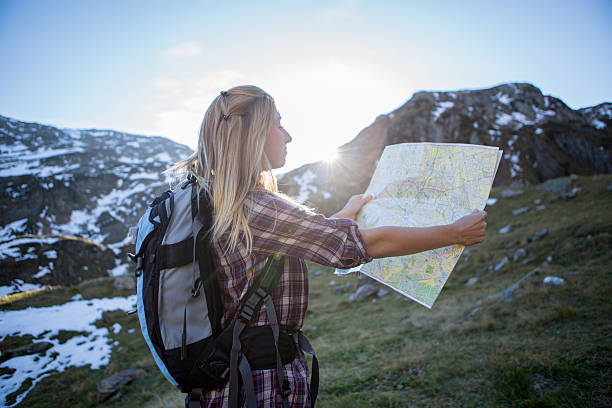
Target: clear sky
(152, 67)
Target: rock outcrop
(67, 198)
(541, 136)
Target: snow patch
(599, 125)
(44, 323)
(14, 149)
(503, 98)
(164, 157)
(23, 168)
(17, 286)
(305, 187)
(43, 271)
(122, 269)
(512, 140)
(11, 229)
(541, 114)
(129, 160)
(504, 119)
(147, 176)
(73, 133)
(441, 108)
(50, 254)
(46, 153)
(11, 248)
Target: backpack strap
(264, 285)
(174, 255)
(201, 210)
(282, 381)
(302, 343)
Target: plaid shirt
(279, 227)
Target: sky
(153, 67)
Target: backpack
(179, 305)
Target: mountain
(541, 136)
(69, 196)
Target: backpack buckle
(246, 313)
(285, 389)
(197, 286)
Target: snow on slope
(87, 183)
(79, 315)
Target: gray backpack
(180, 308)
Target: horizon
(331, 67)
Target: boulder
(506, 295)
(382, 292)
(363, 292)
(124, 282)
(571, 194)
(519, 211)
(501, 264)
(540, 234)
(505, 230)
(553, 280)
(32, 348)
(557, 185)
(314, 293)
(518, 254)
(511, 192)
(110, 385)
(343, 288)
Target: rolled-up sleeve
(279, 226)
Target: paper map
(421, 185)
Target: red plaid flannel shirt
(280, 227)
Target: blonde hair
(230, 160)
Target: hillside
(522, 321)
(502, 333)
(541, 137)
(68, 198)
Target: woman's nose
(288, 137)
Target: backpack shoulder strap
(256, 296)
(201, 213)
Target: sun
(329, 156)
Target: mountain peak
(541, 136)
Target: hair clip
(225, 117)
(223, 93)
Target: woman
(241, 140)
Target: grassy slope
(550, 346)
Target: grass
(550, 346)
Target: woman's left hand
(353, 206)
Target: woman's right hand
(471, 229)
(353, 206)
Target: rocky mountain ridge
(541, 136)
(69, 196)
